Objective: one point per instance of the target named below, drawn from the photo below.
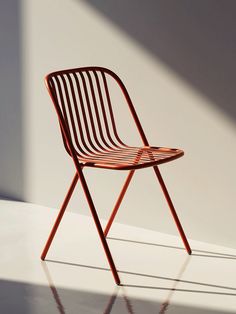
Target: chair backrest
(82, 100)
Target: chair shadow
(164, 306)
(198, 252)
(174, 280)
(183, 290)
(128, 303)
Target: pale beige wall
(60, 34)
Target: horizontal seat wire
(132, 156)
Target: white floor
(157, 274)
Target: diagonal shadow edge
(152, 276)
(208, 253)
(190, 39)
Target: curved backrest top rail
(82, 99)
(84, 69)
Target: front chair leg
(60, 215)
(98, 225)
(172, 209)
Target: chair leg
(60, 215)
(172, 209)
(98, 226)
(118, 202)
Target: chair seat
(126, 158)
(84, 100)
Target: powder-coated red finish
(83, 102)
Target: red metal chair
(84, 107)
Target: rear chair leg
(118, 202)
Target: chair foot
(42, 257)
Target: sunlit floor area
(157, 274)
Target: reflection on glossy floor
(157, 274)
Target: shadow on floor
(230, 291)
(196, 252)
(25, 298)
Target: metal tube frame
(79, 175)
(168, 199)
(79, 165)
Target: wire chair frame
(84, 108)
